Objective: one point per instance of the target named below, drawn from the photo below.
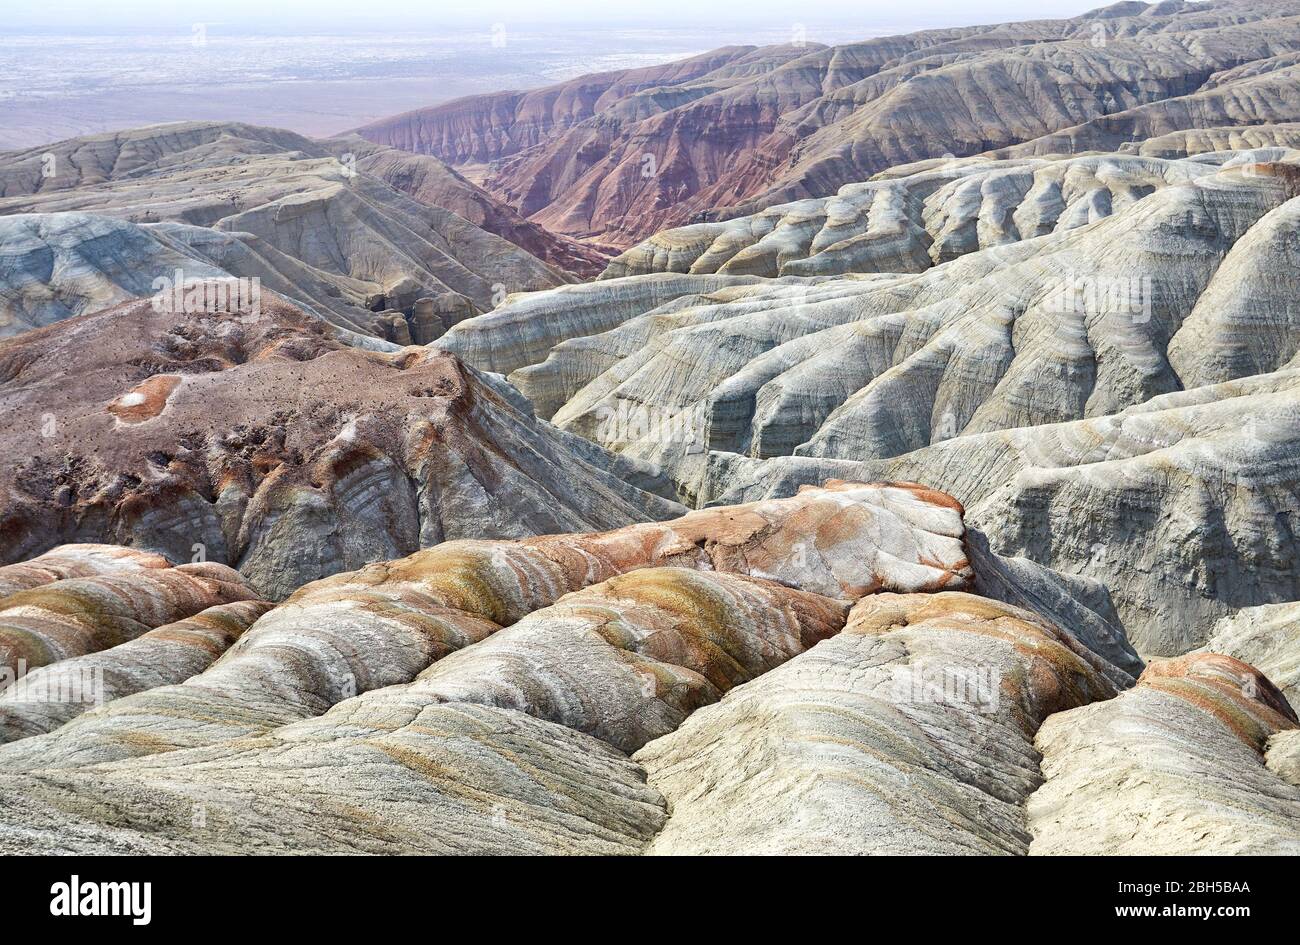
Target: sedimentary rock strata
(618, 156)
(973, 443)
(1268, 638)
(1078, 604)
(80, 615)
(1184, 507)
(482, 753)
(525, 329)
(1283, 755)
(43, 700)
(629, 659)
(1094, 356)
(73, 561)
(216, 762)
(918, 216)
(382, 625)
(1175, 766)
(683, 686)
(1198, 141)
(262, 440)
(867, 368)
(432, 182)
(445, 779)
(910, 732)
(119, 211)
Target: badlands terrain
(889, 448)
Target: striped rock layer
(72, 561)
(644, 690)
(382, 625)
(1180, 764)
(109, 213)
(1096, 354)
(511, 745)
(628, 659)
(77, 616)
(516, 742)
(43, 700)
(1268, 638)
(616, 156)
(909, 733)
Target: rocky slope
(432, 182)
(969, 440)
(826, 672)
(260, 439)
(75, 561)
(1093, 353)
(93, 221)
(909, 733)
(46, 698)
(485, 696)
(818, 673)
(1174, 766)
(1268, 638)
(59, 621)
(616, 157)
(382, 625)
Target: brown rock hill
(616, 156)
(432, 182)
(157, 151)
(94, 221)
(265, 442)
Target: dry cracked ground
(916, 470)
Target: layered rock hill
(93, 221)
(260, 439)
(75, 561)
(617, 156)
(931, 702)
(65, 264)
(380, 626)
(432, 182)
(602, 693)
(1268, 638)
(970, 440)
(42, 700)
(1094, 354)
(1179, 763)
(73, 617)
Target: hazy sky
(389, 14)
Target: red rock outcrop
(258, 438)
(617, 156)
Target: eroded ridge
(509, 745)
(43, 700)
(72, 561)
(628, 659)
(382, 625)
(76, 616)
(1176, 765)
(909, 732)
